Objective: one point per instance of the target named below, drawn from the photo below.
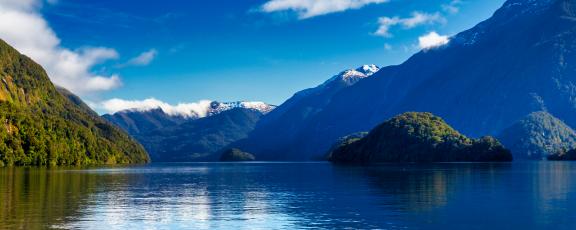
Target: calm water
(291, 196)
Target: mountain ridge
(199, 139)
(136, 120)
(519, 61)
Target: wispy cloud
(418, 18)
(312, 8)
(22, 26)
(143, 59)
(432, 40)
(453, 7)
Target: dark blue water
(291, 196)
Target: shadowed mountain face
(200, 136)
(135, 122)
(43, 125)
(521, 60)
(279, 129)
(200, 139)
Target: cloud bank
(197, 109)
(432, 40)
(312, 8)
(22, 26)
(417, 18)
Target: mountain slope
(42, 126)
(280, 128)
(519, 61)
(538, 136)
(200, 139)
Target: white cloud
(387, 46)
(453, 7)
(22, 26)
(144, 58)
(432, 40)
(311, 8)
(417, 18)
(197, 109)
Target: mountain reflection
(34, 198)
(290, 196)
(425, 187)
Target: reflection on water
(291, 196)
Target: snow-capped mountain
(145, 118)
(189, 131)
(521, 60)
(341, 80)
(218, 107)
(294, 114)
(352, 76)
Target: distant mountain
(137, 121)
(538, 136)
(200, 139)
(418, 137)
(279, 129)
(172, 137)
(521, 60)
(43, 125)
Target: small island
(236, 155)
(418, 137)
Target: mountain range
(512, 76)
(202, 137)
(135, 120)
(519, 61)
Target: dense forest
(418, 137)
(42, 126)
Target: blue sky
(257, 50)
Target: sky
(122, 54)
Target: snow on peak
(368, 70)
(218, 107)
(352, 76)
(194, 110)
